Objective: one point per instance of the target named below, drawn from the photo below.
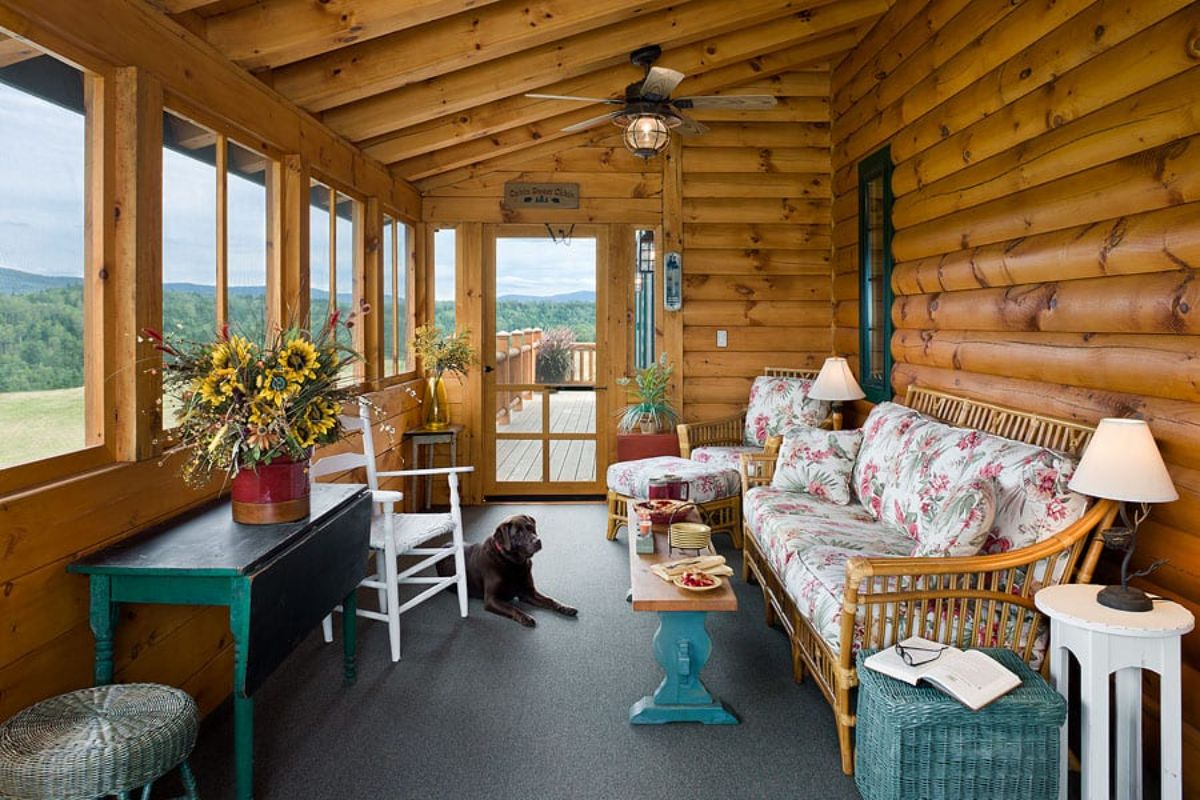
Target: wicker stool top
(95, 742)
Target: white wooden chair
(395, 535)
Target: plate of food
(697, 581)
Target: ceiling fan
(647, 112)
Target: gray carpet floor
(485, 708)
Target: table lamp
(1122, 463)
(836, 383)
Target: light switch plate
(722, 338)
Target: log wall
(755, 211)
(1047, 218)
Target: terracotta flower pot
(271, 493)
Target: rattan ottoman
(717, 492)
(916, 743)
(97, 742)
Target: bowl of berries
(697, 581)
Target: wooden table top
(652, 593)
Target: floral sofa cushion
(785, 524)
(817, 462)
(962, 524)
(779, 404)
(706, 482)
(909, 463)
(726, 457)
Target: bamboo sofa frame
(724, 514)
(988, 590)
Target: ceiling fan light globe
(647, 135)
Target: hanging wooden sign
(540, 195)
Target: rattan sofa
(956, 600)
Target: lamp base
(1124, 598)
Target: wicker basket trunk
(915, 743)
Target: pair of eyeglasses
(915, 656)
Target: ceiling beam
(788, 40)
(818, 48)
(274, 32)
(416, 54)
(14, 51)
(180, 6)
(551, 63)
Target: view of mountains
(13, 281)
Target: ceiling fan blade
(660, 82)
(748, 102)
(690, 127)
(590, 123)
(605, 100)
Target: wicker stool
(98, 742)
(915, 742)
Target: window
(332, 220)
(444, 257)
(875, 274)
(246, 231)
(44, 172)
(395, 297)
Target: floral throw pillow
(817, 462)
(962, 523)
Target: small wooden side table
(1106, 640)
(430, 439)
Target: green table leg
(102, 618)
(350, 638)
(682, 647)
(243, 704)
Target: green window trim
(874, 378)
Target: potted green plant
(649, 409)
(440, 354)
(555, 356)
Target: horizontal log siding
(757, 208)
(1047, 225)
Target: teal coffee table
(681, 644)
(278, 582)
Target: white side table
(1105, 640)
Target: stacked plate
(689, 536)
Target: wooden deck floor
(521, 460)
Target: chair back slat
(789, 372)
(343, 462)
(336, 463)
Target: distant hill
(14, 281)
(581, 296)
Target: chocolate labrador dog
(500, 568)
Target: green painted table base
(682, 647)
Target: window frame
(358, 258)
(410, 286)
(877, 165)
(99, 448)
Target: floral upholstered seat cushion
(706, 482)
(817, 462)
(778, 405)
(909, 463)
(963, 523)
(727, 457)
(785, 524)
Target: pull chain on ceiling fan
(647, 112)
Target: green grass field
(35, 425)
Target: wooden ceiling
(432, 86)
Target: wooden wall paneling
(673, 240)
(1047, 233)
(471, 306)
(618, 325)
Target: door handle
(488, 368)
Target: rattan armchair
(984, 600)
(730, 431)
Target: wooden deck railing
(516, 363)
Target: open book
(971, 677)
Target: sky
(41, 218)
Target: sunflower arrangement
(244, 403)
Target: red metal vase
(271, 493)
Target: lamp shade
(1122, 462)
(836, 382)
